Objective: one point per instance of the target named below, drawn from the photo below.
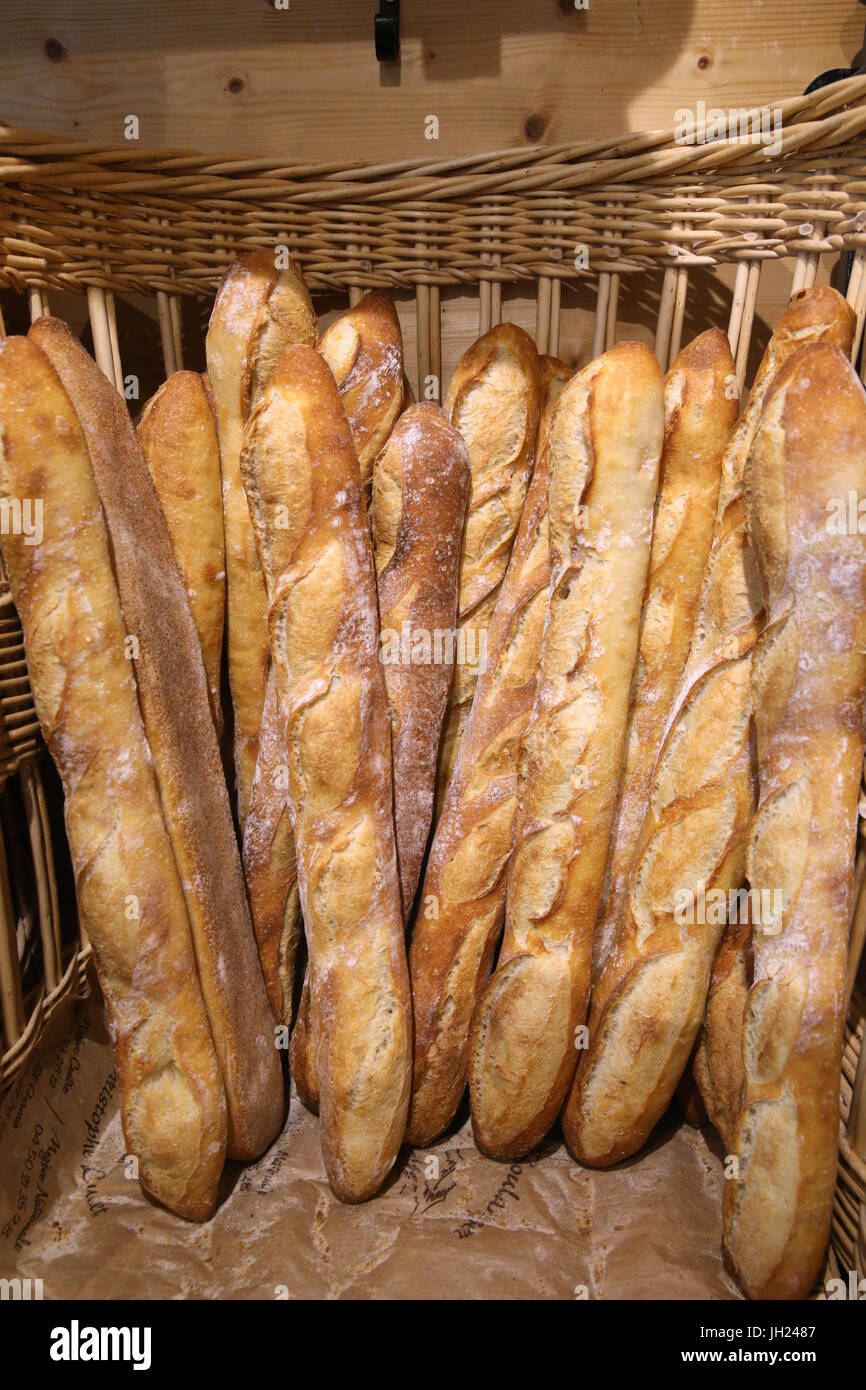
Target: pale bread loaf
(258, 311)
(177, 434)
(364, 350)
(420, 487)
(493, 400)
(729, 620)
(173, 693)
(307, 503)
(462, 903)
(605, 446)
(127, 883)
(651, 994)
(809, 679)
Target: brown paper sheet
(450, 1223)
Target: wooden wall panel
(302, 83)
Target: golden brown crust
(730, 614)
(302, 1052)
(718, 1057)
(173, 692)
(605, 445)
(301, 475)
(690, 852)
(258, 311)
(177, 434)
(270, 864)
(129, 892)
(420, 487)
(420, 484)
(553, 374)
(621, 1086)
(809, 679)
(700, 411)
(493, 400)
(364, 350)
(462, 903)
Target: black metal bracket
(386, 31)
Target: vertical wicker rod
(485, 296)
(664, 326)
(555, 307)
(611, 314)
(356, 294)
(166, 333)
(436, 339)
(542, 314)
(176, 330)
(679, 314)
(745, 339)
(496, 286)
(856, 295)
(422, 300)
(173, 323)
(601, 304)
(111, 315)
(37, 302)
(735, 322)
(102, 349)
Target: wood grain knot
(236, 84)
(705, 61)
(534, 127)
(54, 51)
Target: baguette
(809, 679)
(689, 858)
(128, 887)
(258, 311)
(462, 903)
(493, 400)
(605, 446)
(302, 1051)
(729, 620)
(700, 412)
(307, 504)
(270, 863)
(718, 1058)
(420, 486)
(173, 692)
(177, 434)
(364, 350)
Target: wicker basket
(645, 220)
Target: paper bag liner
(449, 1223)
